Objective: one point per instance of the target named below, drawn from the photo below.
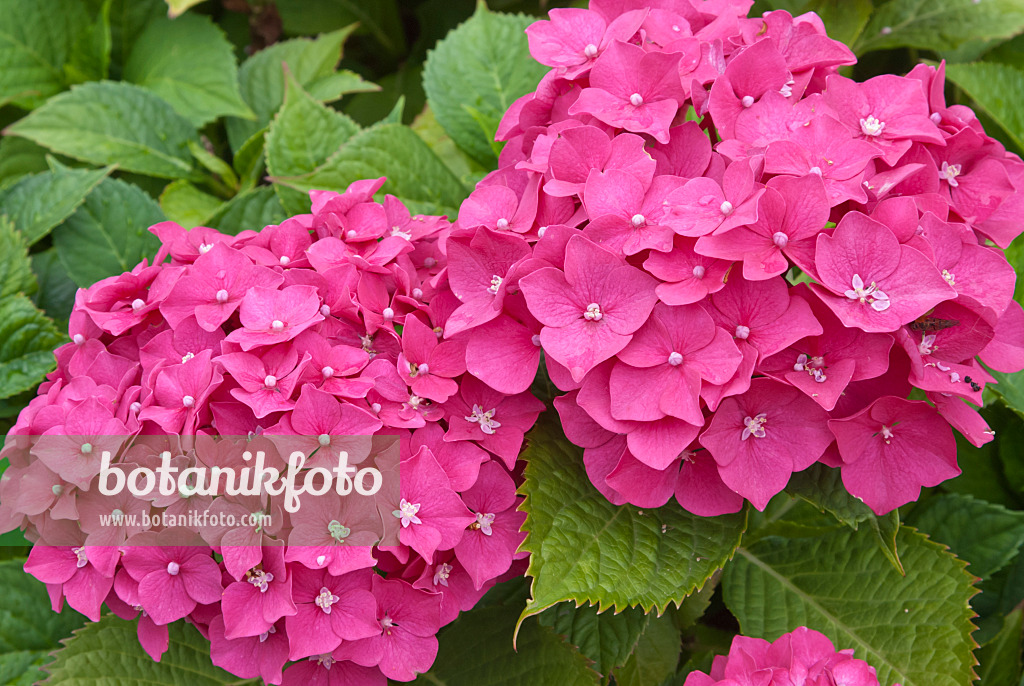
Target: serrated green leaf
(607, 639)
(15, 269)
(19, 157)
(915, 630)
(477, 651)
(475, 74)
(128, 19)
(26, 620)
(108, 652)
(997, 89)
(379, 18)
(214, 164)
(35, 39)
(251, 210)
(56, 294)
(22, 667)
(261, 77)
(415, 174)
(655, 657)
(89, 59)
(620, 556)
(461, 165)
(250, 160)
(187, 205)
(939, 25)
(999, 659)
(27, 341)
(987, 536)
(113, 123)
(108, 234)
(331, 87)
(40, 202)
(190, 64)
(302, 137)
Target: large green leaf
(19, 157)
(89, 59)
(999, 659)
(915, 630)
(187, 205)
(655, 656)
(29, 629)
(998, 89)
(1010, 389)
(56, 294)
(108, 652)
(477, 651)
(15, 269)
(939, 26)
(128, 19)
(35, 39)
(415, 174)
(379, 18)
(251, 210)
(586, 550)
(190, 64)
(113, 123)
(475, 74)
(606, 638)
(38, 203)
(108, 234)
(27, 340)
(311, 62)
(302, 137)
(987, 536)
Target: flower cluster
(803, 656)
(328, 329)
(739, 262)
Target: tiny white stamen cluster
(949, 172)
(495, 284)
(636, 100)
(725, 208)
(222, 296)
(814, 366)
(887, 434)
(593, 313)
(484, 419)
(406, 512)
(699, 271)
(871, 126)
(742, 332)
(754, 426)
(638, 220)
(590, 52)
(325, 600)
(747, 101)
(878, 300)
(949, 276)
(927, 345)
(484, 522)
(81, 559)
(442, 573)
(261, 580)
(780, 239)
(675, 359)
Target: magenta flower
(590, 310)
(267, 382)
(328, 610)
(872, 282)
(84, 573)
(271, 316)
(478, 267)
(761, 437)
(490, 543)
(627, 216)
(172, 579)
(254, 604)
(687, 276)
(634, 90)
(250, 657)
(573, 38)
(581, 149)
(891, 449)
(492, 420)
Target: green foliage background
(118, 114)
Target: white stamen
(406, 512)
(324, 440)
(675, 359)
(270, 381)
(277, 325)
(135, 407)
(284, 260)
(927, 344)
(638, 220)
(535, 340)
(949, 277)
(417, 293)
(485, 419)
(726, 208)
(878, 300)
(593, 313)
(699, 271)
(188, 401)
(388, 314)
(222, 296)
(351, 234)
(266, 634)
(138, 304)
(430, 263)
(949, 172)
(56, 489)
(742, 332)
(801, 363)
(871, 126)
(86, 448)
(186, 357)
(375, 407)
(636, 100)
(590, 52)
(338, 531)
(327, 372)
(747, 101)
(442, 573)
(173, 568)
(541, 231)
(954, 377)
(261, 580)
(325, 310)
(936, 118)
(887, 434)
(78, 338)
(780, 239)
(485, 521)
(815, 170)
(495, 284)
(205, 248)
(502, 224)
(325, 600)
(82, 560)
(754, 426)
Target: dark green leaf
(939, 26)
(655, 657)
(15, 269)
(379, 18)
(27, 341)
(187, 205)
(38, 203)
(251, 210)
(999, 659)
(90, 54)
(19, 157)
(607, 639)
(56, 294)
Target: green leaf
(35, 40)
(939, 26)
(477, 651)
(997, 89)
(379, 18)
(251, 210)
(108, 234)
(26, 620)
(113, 123)
(250, 160)
(1010, 389)
(987, 536)
(22, 667)
(90, 53)
(187, 205)
(214, 164)
(15, 269)
(475, 74)
(190, 64)
(844, 19)
(983, 473)
(606, 638)
(27, 340)
(999, 659)
(461, 165)
(301, 138)
(19, 157)
(331, 87)
(915, 630)
(261, 77)
(128, 19)
(415, 174)
(56, 294)
(40, 202)
(655, 657)
(620, 556)
(108, 651)
(822, 487)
